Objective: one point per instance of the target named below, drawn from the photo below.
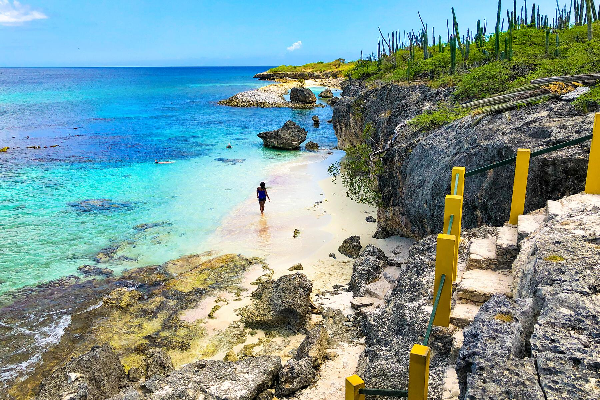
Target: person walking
(262, 195)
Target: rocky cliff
(417, 164)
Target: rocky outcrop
(366, 269)
(255, 98)
(393, 328)
(350, 247)
(302, 95)
(91, 270)
(315, 119)
(288, 137)
(326, 94)
(96, 375)
(416, 165)
(281, 303)
(544, 343)
(274, 76)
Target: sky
(53, 33)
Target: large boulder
(96, 375)
(350, 247)
(302, 95)
(367, 268)
(312, 146)
(281, 303)
(288, 137)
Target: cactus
(589, 18)
(557, 51)
(456, 34)
(441, 47)
(452, 54)
(547, 41)
(497, 36)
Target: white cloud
(293, 47)
(16, 13)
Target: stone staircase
(488, 271)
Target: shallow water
(110, 125)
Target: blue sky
(216, 32)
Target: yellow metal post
(520, 185)
(453, 206)
(353, 384)
(592, 183)
(444, 265)
(460, 189)
(418, 372)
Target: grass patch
(431, 120)
(339, 65)
(589, 101)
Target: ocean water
(93, 187)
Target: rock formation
(350, 247)
(366, 268)
(311, 146)
(302, 95)
(281, 303)
(288, 137)
(416, 165)
(326, 94)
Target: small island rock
(326, 94)
(312, 146)
(288, 137)
(350, 246)
(302, 95)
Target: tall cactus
(452, 54)
(588, 4)
(497, 36)
(557, 50)
(547, 41)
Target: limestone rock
(312, 146)
(478, 285)
(506, 246)
(315, 119)
(284, 302)
(158, 362)
(350, 246)
(326, 94)
(288, 137)
(302, 95)
(295, 375)
(482, 254)
(95, 375)
(366, 269)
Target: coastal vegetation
(339, 65)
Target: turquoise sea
(93, 187)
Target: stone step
(462, 314)
(507, 246)
(482, 254)
(528, 224)
(478, 285)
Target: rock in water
(350, 246)
(96, 375)
(315, 119)
(326, 94)
(281, 303)
(311, 146)
(366, 269)
(288, 137)
(302, 95)
(90, 270)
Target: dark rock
(302, 95)
(332, 255)
(135, 374)
(90, 270)
(97, 374)
(158, 362)
(332, 102)
(312, 146)
(97, 205)
(280, 303)
(288, 137)
(350, 246)
(367, 268)
(266, 395)
(370, 219)
(231, 161)
(315, 119)
(314, 346)
(326, 94)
